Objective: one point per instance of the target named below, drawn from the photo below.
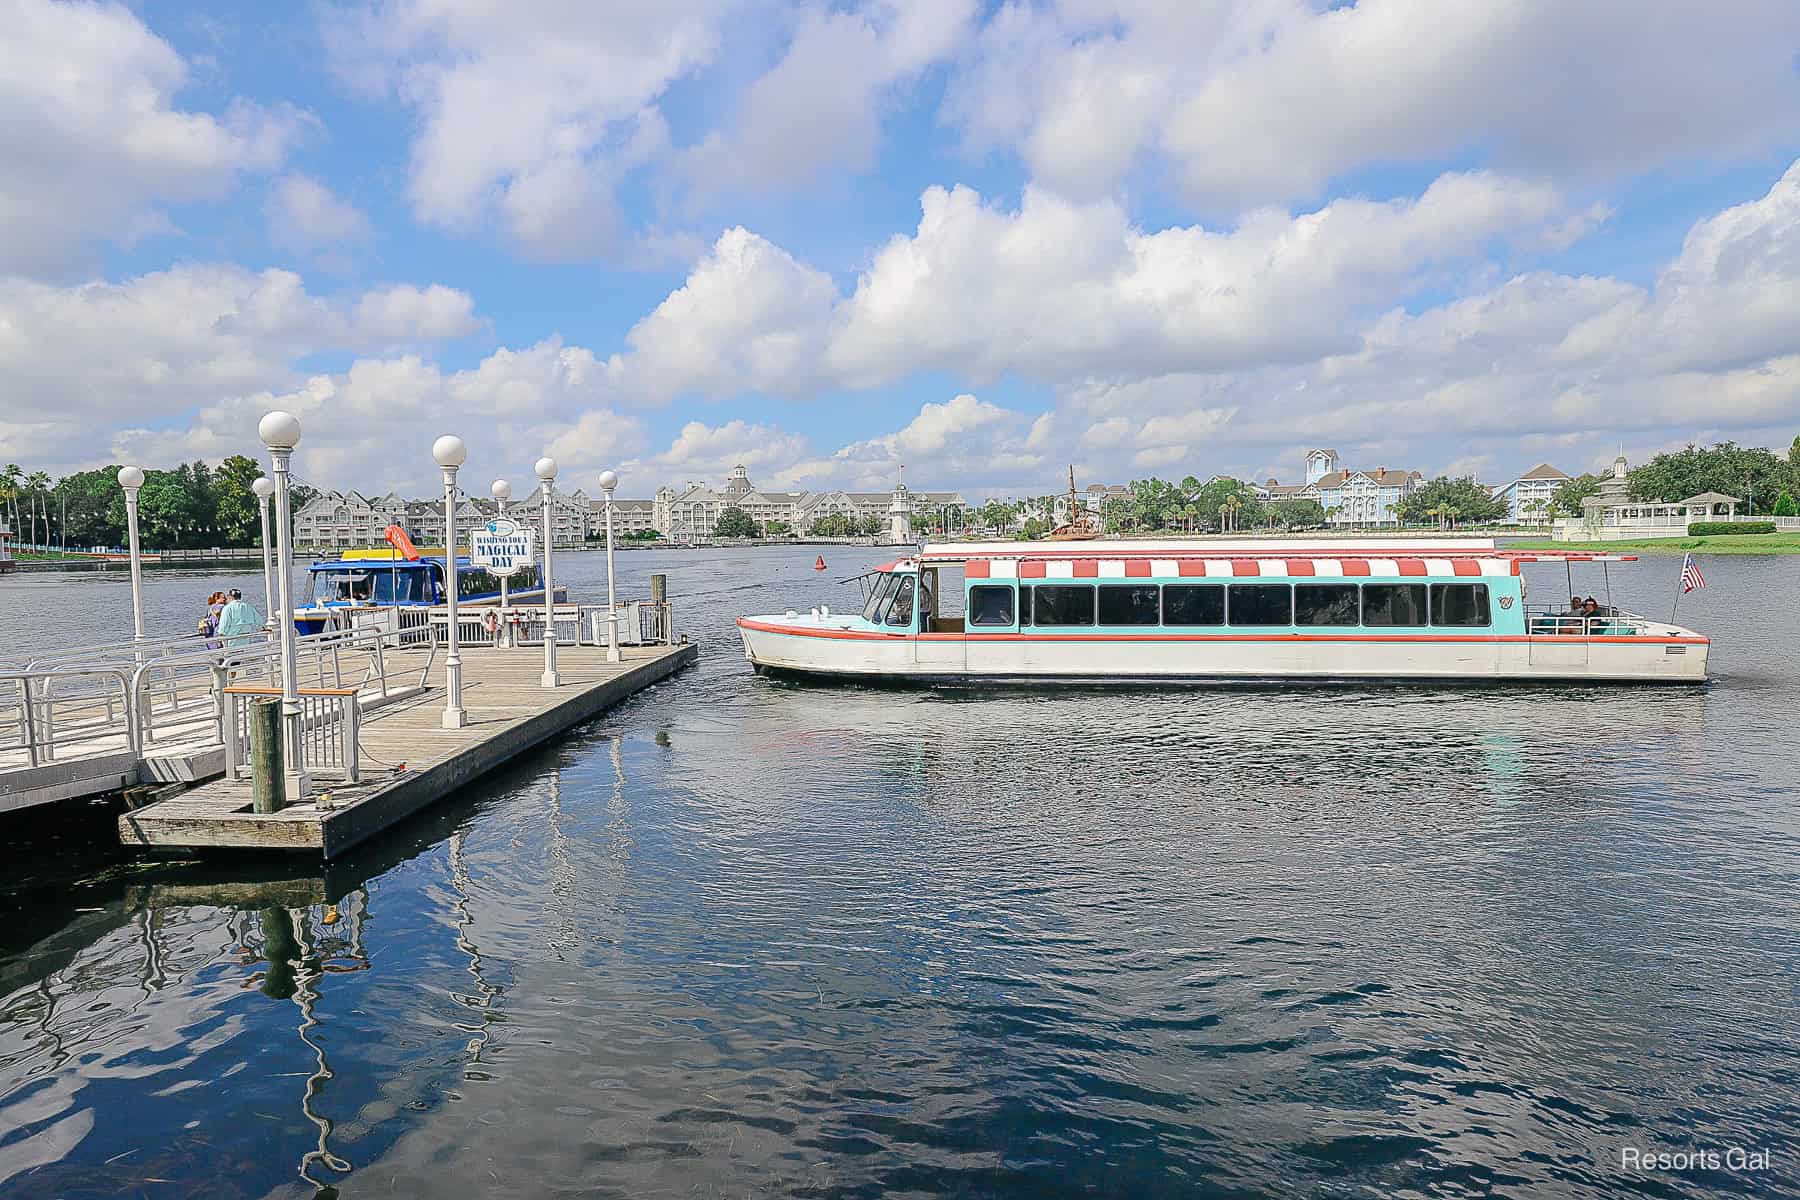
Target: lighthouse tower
(900, 516)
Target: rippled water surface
(744, 938)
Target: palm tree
(39, 484)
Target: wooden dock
(508, 713)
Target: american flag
(1691, 578)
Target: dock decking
(508, 713)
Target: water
(747, 938)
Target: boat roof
(1396, 547)
(355, 561)
(1246, 556)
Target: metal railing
(330, 730)
(1546, 621)
(167, 693)
(48, 714)
(641, 623)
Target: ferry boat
(1433, 609)
(360, 582)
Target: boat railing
(1547, 621)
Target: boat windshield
(338, 587)
(879, 595)
(372, 586)
(891, 601)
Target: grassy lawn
(1748, 543)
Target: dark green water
(747, 938)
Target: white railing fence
(330, 730)
(164, 694)
(51, 715)
(641, 623)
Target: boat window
(900, 611)
(1329, 604)
(990, 604)
(1128, 604)
(1460, 604)
(1393, 604)
(523, 579)
(1063, 604)
(476, 582)
(1194, 604)
(1261, 604)
(1024, 605)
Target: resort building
(1527, 498)
(1350, 498)
(345, 520)
(691, 511)
(629, 516)
(571, 515)
(1365, 498)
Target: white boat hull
(826, 647)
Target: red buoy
(820, 565)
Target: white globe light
(131, 477)
(502, 490)
(449, 451)
(546, 468)
(609, 480)
(279, 430)
(263, 486)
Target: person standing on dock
(238, 619)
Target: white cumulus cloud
(93, 139)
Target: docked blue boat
(347, 590)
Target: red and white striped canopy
(1433, 566)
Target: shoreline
(1733, 544)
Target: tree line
(1764, 482)
(734, 522)
(195, 506)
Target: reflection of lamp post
(546, 473)
(264, 487)
(502, 491)
(131, 479)
(280, 433)
(609, 480)
(450, 453)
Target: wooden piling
(265, 756)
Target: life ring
(490, 621)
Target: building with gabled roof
(1527, 498)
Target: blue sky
(985, 240)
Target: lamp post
(450, 453)
(502, 491)
(280, 433)
(546, 473)
(131, 479)
(609, 480)
(264, 487)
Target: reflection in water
(743, 936)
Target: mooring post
(265, 756)
(659, 602)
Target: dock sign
(501, 545)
